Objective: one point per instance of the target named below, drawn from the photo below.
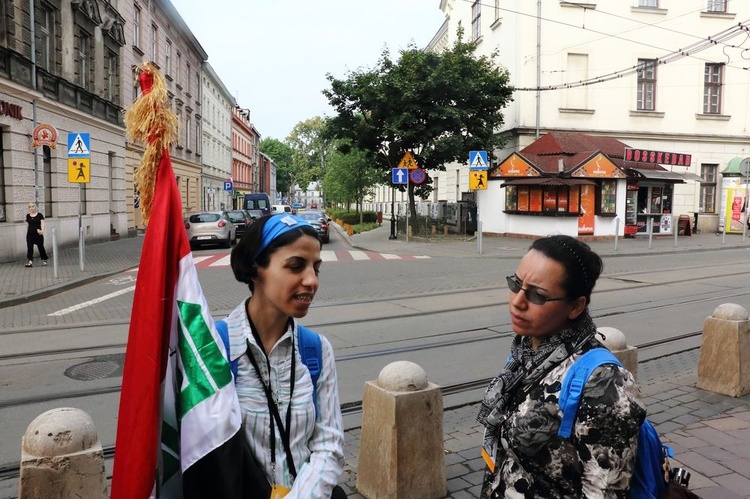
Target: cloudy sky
(273, 55)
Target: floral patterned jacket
(532, 461)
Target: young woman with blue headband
(279, 259)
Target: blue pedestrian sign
(227, 186)
(399, 176)
(79, 145)
(477, 160)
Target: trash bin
(380, 218)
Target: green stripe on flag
(205, 367)
(170, 451)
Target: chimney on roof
(560, 165)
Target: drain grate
(102, 367)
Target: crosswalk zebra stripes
(334, 256)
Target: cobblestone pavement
(709, 433)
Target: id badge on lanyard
(279, 491)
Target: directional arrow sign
(399, 176)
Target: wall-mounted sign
(12, 110)
(660, 157)
(44, 135)
(598, 167)
(515, 166)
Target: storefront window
(575, 199)
(608, 198)
(511, 198)
(550, 198)
(523, 199)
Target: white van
(281, 208)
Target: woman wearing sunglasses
(549, 296)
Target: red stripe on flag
(139, 421)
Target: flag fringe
(150, 120)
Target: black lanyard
(273, 407)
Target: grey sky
(273, 55)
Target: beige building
(155, 32)
(60, 66)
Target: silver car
(210, 227)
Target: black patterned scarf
(526, 367)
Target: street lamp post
(393, 213)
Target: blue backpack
(310, 351)
(648, 480)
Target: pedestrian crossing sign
(477, 180)
(79, 145)
(408, 161)
(477, 160)
(79, 170)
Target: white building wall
(217, 140)
(616, 35)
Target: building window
(713, 81)
(476, 20)
(717, 6)
(179, 67)
(113, 77)
(188, 125)
(46, 51)
(497, 10)
(137, 27)
(198, 137)
(84, 51)
(155, 44)
(607, 192)
(648, 3)
(3, 206)
(187, 87)
(708, 189)
(646, 84)
(168, 59)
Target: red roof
(575, 149)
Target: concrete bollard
(61, 457)
(613, 339)
(724, 363)
(401, 454)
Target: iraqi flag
(178, 430)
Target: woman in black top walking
(35, 235)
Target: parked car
(319, 220)
(253, 215)
(210, 227)
(258, 201)
(240, 219)
(282, 208)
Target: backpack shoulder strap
(311, 354)
(223, 330)
(574, 383)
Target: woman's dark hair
(245, 266)
(582, 266)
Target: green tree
(310, 147)
(439, 106)
(281, 154)
(349, 176)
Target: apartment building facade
(60, 66)
(157, 33)
(217, 141)
(245, 155)
(657, 75)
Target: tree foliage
(281, 154)
(349, 176)
(439, 106)
(310, 147)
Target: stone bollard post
(61, 457)
(724, 363)
(613, 339)
(401, 452)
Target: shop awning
(665, 175)
(734, 167)
(548, 181)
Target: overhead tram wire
(707, 43)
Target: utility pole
(538, 65)
(393, 213)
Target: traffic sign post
(79, 171)
(417, 176)
(477, 180)
(399, 176)
(228, 186)
(478, 160)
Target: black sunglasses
(531, 292)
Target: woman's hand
(39, 231)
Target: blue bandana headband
(276, 226)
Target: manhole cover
(95, 369)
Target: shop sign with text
(660, 157)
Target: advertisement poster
(586, 220)
(574, 196)
(550, 199)
(523, 199)
(535, 199)
(733, 207)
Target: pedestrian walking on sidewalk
(549, 297)
(35, 235)
(282, 407)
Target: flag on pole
(178, 407)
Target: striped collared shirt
(317, 444)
